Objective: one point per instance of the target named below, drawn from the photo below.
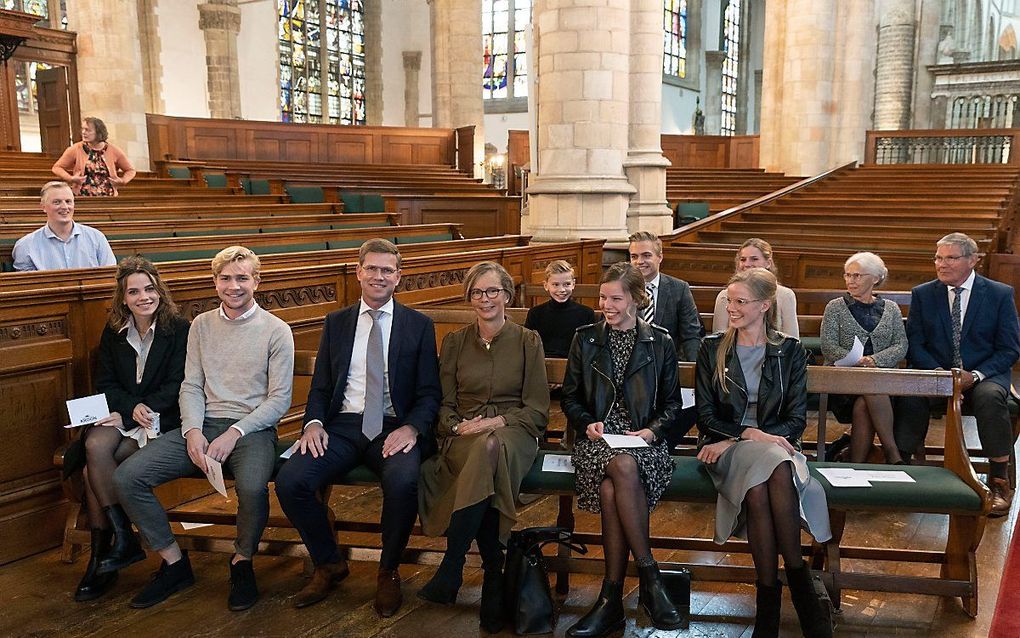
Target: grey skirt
(749, 463)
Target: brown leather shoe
(1002, 497)
(387, 596)
(322, 581)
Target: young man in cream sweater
(237, 386)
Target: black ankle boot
(813, 622)
(445, 582)
(768, 602)
(92, 584)
(654, 599)
(126, 549)
(605, 617)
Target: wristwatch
(977, 377)
(454, 429)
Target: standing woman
(495, 408)
(751, 395)
(90, 166)
(878, 324)
(621, 378)
(757, 253)
(140, 368)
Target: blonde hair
(763, 247)
(381, 246)
(484, 268)
(644, 235)
(119, 312)
(632, 281)
(48, 186)
(762, 285)
(558, 267)
(230, 254)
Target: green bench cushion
(290, 248)
(216, 180)
(351, 202)
(293, 229)
(255, 186)
(305, 194)
(373, 203)
(217, 231)
(354, 225)
(424, 239)
(179, 172)
(177, 255)
(345, 243)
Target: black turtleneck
(556, 322)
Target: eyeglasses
(949, 259)
(385, 271)
(491, 293)
(740, 302)
(855, 276)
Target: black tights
(479, 521)
(105, 449)
(624, 516)
(773, 524)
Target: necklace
(486, 342)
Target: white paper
(624, 440)
(687, 394)
(214, 472)
(852, 357)
(290, 451)
(87, 410)
(969, 422)
(887, 476)
(195, 525)
(557, 463)
(840, 477)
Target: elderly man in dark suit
(374, 396)
(672, 302)
(963, 320)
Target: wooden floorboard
(36, 592)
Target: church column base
(648, 209)
(571, 208)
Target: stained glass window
(36, 7)
(25, 88)
(731, 45)
(674, 49)
(322, 61)
(504, 49)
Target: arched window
(504, 51)
(731, 45)
(674, 58)
(322, 61)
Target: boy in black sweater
(557, 319)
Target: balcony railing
(950, 146)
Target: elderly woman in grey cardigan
(878, 323)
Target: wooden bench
(953, 490)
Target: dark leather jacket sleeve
(667, 410)
(793, 413)
(573, 401)
(709, 398)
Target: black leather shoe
(490, 613)
(168, 580)
(126, 549)
(92, 584)
(605, 617)
(243, 590)
(445, 583)
(813, 622)
(654, 599)
(768, 604)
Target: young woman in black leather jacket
(622, 379)
(751, 396)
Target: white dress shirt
(354, 394)
(968, 287)
(655, 289)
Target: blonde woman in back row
(757, 253)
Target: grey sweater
(889, 339)
(241, 369)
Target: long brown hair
(762, 285)
(632, 281)
(763, 247)
(167, 310)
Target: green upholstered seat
(336, 244)
(353, 225)
(293, 229)
(8, 241)
(179, 172)
(689, 212)
(216, 180)
(373, 203)
(290, 248)
(305, 194)
(6, 266)
(423, 239)
(352, 202)
(148, 235)
(255, 186)
(217, 231)
(178, 255)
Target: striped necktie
(648, 314)
(372, 417)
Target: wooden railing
(943, 146)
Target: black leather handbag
(528, 598)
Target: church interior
(520, 132)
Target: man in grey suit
(672, 302)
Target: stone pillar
(457, 69)
(817, 86)
(373, 64)
(152, 69)
(894, 73)
(756, 123)
(928, 30)
(578, 188)
(412, 71)
(109, 67)
(220, 21)
(713, 91)
(645, 166)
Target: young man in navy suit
(375, 392)
(983, 314)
